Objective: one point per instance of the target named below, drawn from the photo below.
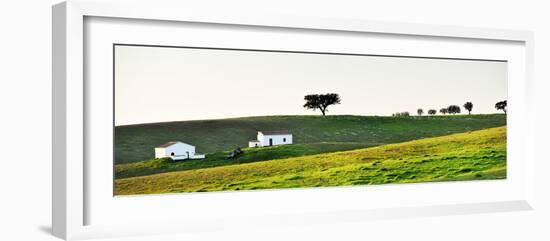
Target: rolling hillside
(153, 166)
(464, 156)
(136, 142)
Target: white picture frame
(71, 191)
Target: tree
(321, 102)
(401, 114)
(443, 111)
(432, 111)
(405, 114)
(501, 105)
(453, 109)
(468, 106)
(420, 111)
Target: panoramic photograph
(190, 119)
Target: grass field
(314, 134)
(153, 166)
(471, 155)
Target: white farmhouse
(271, 138)
(177, 151)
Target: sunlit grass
(475, 155)
(154, 166)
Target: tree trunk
(323, 111)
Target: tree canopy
(468, 106)
(453, 109)
(501, 105)
(321, 102)
(401, 114)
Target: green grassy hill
(465, 156)
(153, 166)
(136, 142)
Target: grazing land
(312, 135)
(472, 155)
(154, 166)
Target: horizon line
(241, 117)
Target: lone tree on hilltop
(420, 111)
(501, 105)
(432, 112)
(453, 109)
(444, 111)
(468, 106)
(321, 102)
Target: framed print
(205, 122)
(257, 129)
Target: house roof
(281, 132)
(167, 144)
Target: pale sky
(159, 84)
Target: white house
(177, 151)
(271, 138)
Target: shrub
(401, 114)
